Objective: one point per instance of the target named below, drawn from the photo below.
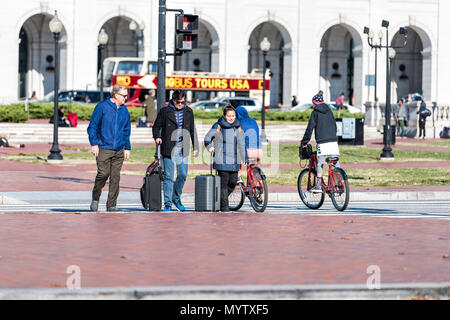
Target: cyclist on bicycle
(324, 125)
(253, 146)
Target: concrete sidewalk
(133, 198)
(395, 291)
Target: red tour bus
(140, 76)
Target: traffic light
(185, 39)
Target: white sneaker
(239, 180)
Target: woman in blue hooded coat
(253, 145)
(226, 140)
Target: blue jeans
(173, 191)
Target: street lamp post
(265, 47)
(102, 41)
(387, 150)
(55, 153)
(137, 37)
(376, 47)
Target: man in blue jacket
(109, 135)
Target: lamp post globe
(132, 26)
(102, 37)
(134, 30)
(102, 41)
(55, 24)
(265, 47)
(391, 53)
(55, 155)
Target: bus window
(108, 69)
(152, 67)
(129, 67)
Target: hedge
(17, 113)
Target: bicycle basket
(305, 153)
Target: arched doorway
(411, 68)
(278, 57)
(340, 64)
(36, 57)
(123, 41)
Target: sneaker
(318, 187)
(239, 180)
(167, 209)
(179, 206)
(112, 209)
(94, 206)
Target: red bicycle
(256, 190)
(337, 187)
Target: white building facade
(316, 45)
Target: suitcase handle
(158, 152)
(211, 164)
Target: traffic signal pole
(161, 90)
(162, 54)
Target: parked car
(332, 106)
(83, 96)
(348, 108)
(250, 104)
(47, 98)
(207, 105)
(301, 108)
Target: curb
(400, 291)
(4, 200)
(40, 197)
(359, 196)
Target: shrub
(13, 113)
(45, 110)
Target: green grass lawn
(441, 143)
(357, 177)
(288, 154)
(283, 154)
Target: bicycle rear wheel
(310, 199)
(340, 194)
(259, 195)
(236, 198)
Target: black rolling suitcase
(207, 192)
(151, 189)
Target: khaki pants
(109, 164)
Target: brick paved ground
(218, 249)
(148, 249)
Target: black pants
(421, 128)
(109, 164)
(228, 181)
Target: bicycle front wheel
(259, 194)
(340, 193)
(304, 184)
(236, 198)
